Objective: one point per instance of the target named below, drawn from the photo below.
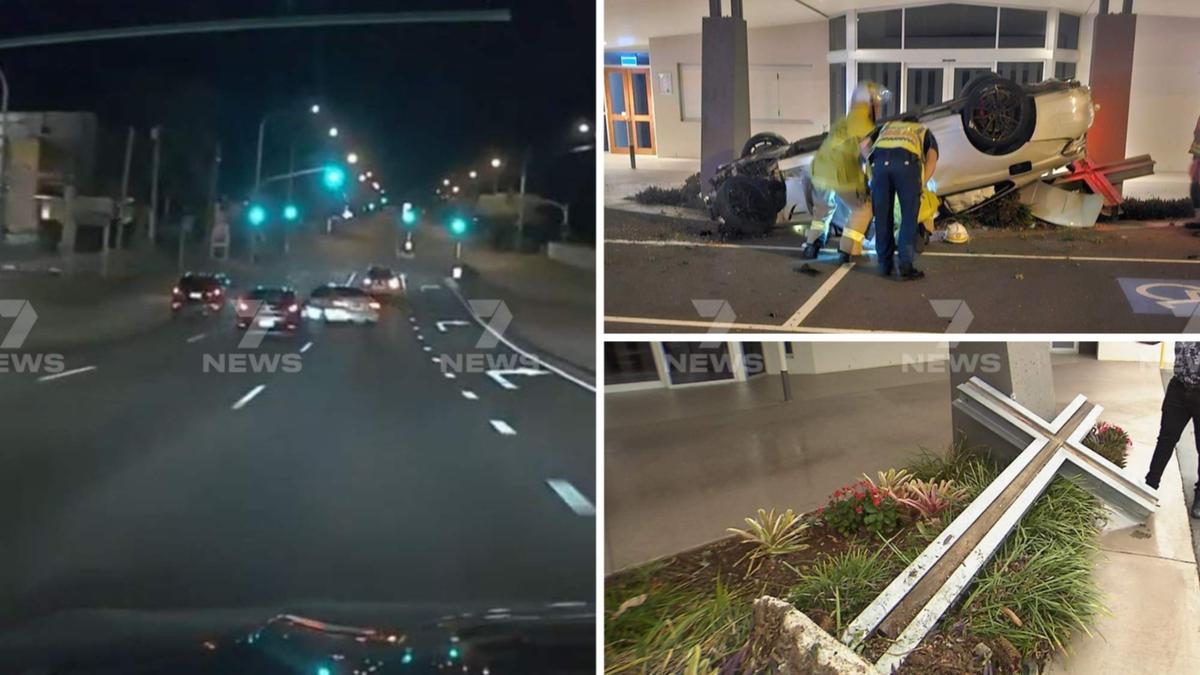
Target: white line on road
(449, 375)
(420, 337)
(816, 298)
(350, 279)
(196, 338)
(241, 402)
(444, 325)
(412, 319)
(66, 373)
(501, 376)
(429, 287)
(307, 346)
(470, 395)
(573, 497)
(936, 254)
(752, 327)
(552, 368)
(404, 282)
(427, 348)
(503, 428)
(436, 359)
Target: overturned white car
(997, 138)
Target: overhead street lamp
(362, 177)
(352, 158)
(262, 129)
(454, 189)
(333, 132)
(495, 162)
(315, 109)
(473, 174)
(584, 128)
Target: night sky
(416, 100)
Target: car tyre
(747, 206)
(762, 141)
(997, 116)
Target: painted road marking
(429, 287)
(542, 362)
(195, 338)
(573, 497)
(412, 319)
(470, 395)
(816, 298)
(404, 282)
(449, 375)
(420, 338)
(241, 402)
(427, 348)
(936, 254)
(350, 279)
(1178, 297)
(501, 376)
(443, 326)
(503, 428)
(307, 346)
(416, 328)
(66, 373)
(751, 327)
(436, 359)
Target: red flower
(858, 509)
(858, 496)
(875, 499)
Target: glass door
(925, 86)
(964, 74)
(630, 113)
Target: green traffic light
(290, 212)
(257, 215)
(383, 200)
(453, 653)
(334, 177)
(323, 670)
(458, 226)
(409, 217)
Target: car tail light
(176, 291)
(374, 305)
(242, 306)
(393, 283)
(293, 308)
(217, 292)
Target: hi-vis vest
(908, 136)
(836, 164)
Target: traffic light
(256, 214)
(290, 212)
(458, 226)
(383, 200)
(334, 177)
(408, 215)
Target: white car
(997, 138)
(341, 304)
(382, 281)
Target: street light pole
(262, 128)
(3, 153)
(156, 135)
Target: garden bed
(691, 613)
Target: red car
(269, 308)
(206, 291)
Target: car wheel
(746, 206)
(762, 141)
(998, 116)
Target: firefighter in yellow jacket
(837, 169)
(903, 156)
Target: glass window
(626, 362)
(837, 91)
(837, 33)
(697, 361)
(965, 74)
(949, 26)
(1021, 72)
(887, 74)
(1064, 70)
(1022, 27)
(787, 348)
(879, 30)
(924, 88)
(752, 358)
(1068, 31)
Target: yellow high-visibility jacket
(908, 136)
(837, 164)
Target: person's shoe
(887, 271)
(910, 273)
(1196, 505)
(811, 251)
(844, 257)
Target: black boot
(844, 257)
(811, 250)
(910, 273)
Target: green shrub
(772, 535)
(689, 196)
(1005, 212)
(861, 507)
(1156, 209)
(1110, 442)
(843, 585)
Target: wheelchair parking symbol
(1178, 297)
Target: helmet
(957, 234)
(873, 95)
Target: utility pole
(124, 187)
(3, 154)
(156, 136)
(521, 203)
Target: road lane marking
(420, 338)
(573, 497)
(66, 373)
(443, 326)
(350, 279)
(936, 254)
(427, 348)
(307, 346)
(195, 338)
(500, 375)
(502, 427)
(429, 287)
(241, 402)
(509, 343)
(752, 327)
(412, 319)
(470, 395)
(404, 282)
(816, 298)
(436, 359)
(449, 375)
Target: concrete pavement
(385, 469)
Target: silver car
(341, 304)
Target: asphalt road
(371, 474)
(1111, 280)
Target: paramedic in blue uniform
(902, 155)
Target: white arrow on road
(430, 287)
(442, 325)
(501, 376)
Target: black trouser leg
(1176, 413)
